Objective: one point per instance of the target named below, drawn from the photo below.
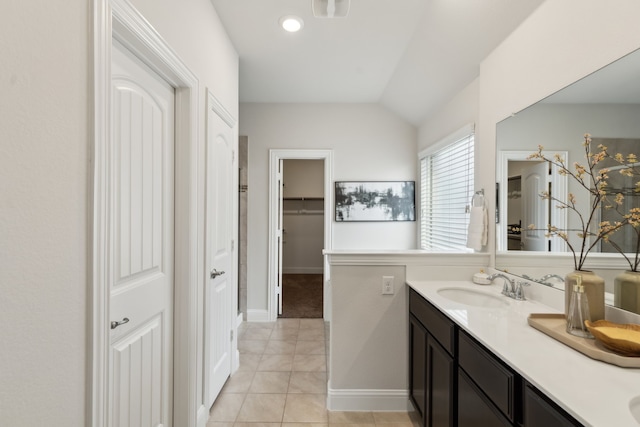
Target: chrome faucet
(508, 287)
(546, 277)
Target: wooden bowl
(623, 339)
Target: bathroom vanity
(474, 361)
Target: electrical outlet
(387, 285)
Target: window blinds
(446, 188)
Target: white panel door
(142, 245)
(535, 210)
(219, 255)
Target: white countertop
(595, 393)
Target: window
(446, 188)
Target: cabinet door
(440, 385)
(540, 412)
(474, 409)
(417, 365)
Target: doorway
(304, 200)
(303, 238)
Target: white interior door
(141, 238)
(280, 233)
(219, 308)
(534, 209)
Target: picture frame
(374, 201)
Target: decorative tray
(554, 325)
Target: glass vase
(593, 289)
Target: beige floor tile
(391, 417)
(257, 334)
(311, 334)
(270, 382)
(249, 362)
(310, 347)
(310, 363)
(396, 424)
(261, 325)
(280, 347)
(252, 346)
(219, 424)
(276, 362)
(308, 382)
(262, 408)
(305, 425)
(256, 425)
(226, 407)
(311, 323)
(239, 382)
(356, 425)
(310, 408)
(287, 324)
(285, 334)
(341, 417)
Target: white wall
(368, 142)
(461, 110)
(45, 129)
(46, 138)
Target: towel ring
(477, 200)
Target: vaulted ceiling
(411, 56)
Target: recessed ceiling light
(291, 23)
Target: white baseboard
(258, 315)
(302, 270)
(368, 400)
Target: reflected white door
(141, 244)
(219, 308)
(535, 210)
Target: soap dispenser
(578, 311)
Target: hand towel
(477, 231)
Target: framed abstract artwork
(359, 201)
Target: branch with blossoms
(593, 180)
(630, 168)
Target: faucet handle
(519, 294)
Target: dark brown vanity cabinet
(432, 365)
(454, 381)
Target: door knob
(115, 324)
(215, 273)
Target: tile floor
(282, 381)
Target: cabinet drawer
(438, 325)
(540, 411)
(495, 379)
(474, 409)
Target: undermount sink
(471, 297)
(634, 407)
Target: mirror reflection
(605, 104)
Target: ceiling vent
(330, 8)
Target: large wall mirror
(605, 104)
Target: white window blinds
(446, 188)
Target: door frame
(118, 19)
(275, 155)
(558, 217)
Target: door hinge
(233, 156)
(231, 339)
(233, 244)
